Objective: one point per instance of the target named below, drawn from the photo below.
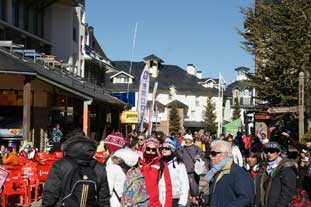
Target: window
(170, 96)
(15, 8)
(246, 92)
(197, 101)
(122, 80)
(2, 9)
(74, 34)
(192, 114)
(236, 96)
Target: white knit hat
(188, 136)
(128, 156)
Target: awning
(11, 64)
(194, 124)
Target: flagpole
(220, 111)
(131, 63)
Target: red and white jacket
(160, 194)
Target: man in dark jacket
(278, 181)
(230, 184)
(81, 150)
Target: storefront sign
(129, 117)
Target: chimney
(199, 74)
(191, 69)
(91, 35)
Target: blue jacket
(232, 187)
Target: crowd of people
(161, 171)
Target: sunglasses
(214, 153)
(270, 150)
(165, 148)
(141, 139)
(151, 149)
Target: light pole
(301, 105)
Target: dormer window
(122, 80)
(122, 77)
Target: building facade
(43, 81)
(176, 86)
(240, 92)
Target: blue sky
(180, 32)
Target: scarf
(149, 157)
(168, 158)
(272, 165)
(216, 168)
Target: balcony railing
(244, 101)
(63, 70)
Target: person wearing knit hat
(114, 142)
(178, 173)
(189, 152)
(280, 177)
(132, 190)
(156, 174)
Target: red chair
(30, 174)
(41, 157)
(15, 185)
(43, 172)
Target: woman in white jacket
(178, 173)
(236, 153)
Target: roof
(241, 84)
(168, 75)
(215, 80)
(242, 69)
(176, 103)
(153, 57)
(14, 65)
(121, 72)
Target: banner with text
(143, 97)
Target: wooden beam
(86, 123)
(26, 109)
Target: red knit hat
(114, 141)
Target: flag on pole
(143, 97)
(222, 81)
(155, 88)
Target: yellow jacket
(200, 145)
(10, 159)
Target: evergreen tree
(209, 116)
(236, 111)
(278, 34)
(174, 125)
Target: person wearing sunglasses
(178, 173)
(156, 174)
(278, 181)
(229, 183)
(141, 138)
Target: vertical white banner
(151, 109)
(143, 97)
(221, 85)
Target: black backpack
(80, 189)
